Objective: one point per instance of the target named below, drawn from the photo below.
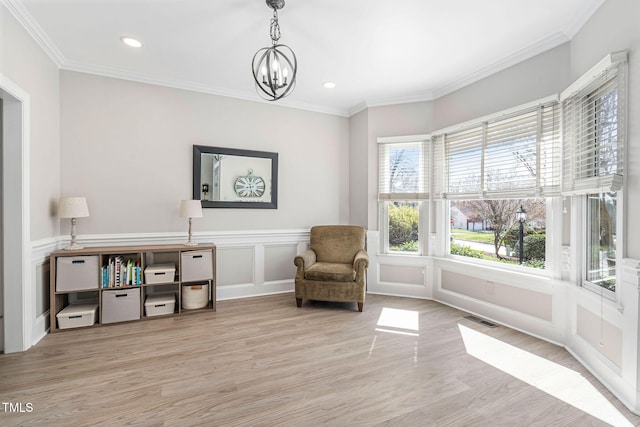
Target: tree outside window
(489, 229)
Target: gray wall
(540, 76)
(127, 147)
(359, 168)
(23, 62)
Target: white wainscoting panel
(235, 266)
(603, 334)
(402, 274)
(39, 262)
(278, 262)
(533, 303)
(522, 301)
(397, 275)
(600, 334)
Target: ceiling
(377, 52)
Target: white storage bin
(74, 273)
(77, 315)
(195, 296)
(159, 273)
(159, 304)
(196, 266)
(120, 305)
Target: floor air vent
(481, 321)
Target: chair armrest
(303, 261)
(360, 263)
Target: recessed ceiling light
(329, 85)
(131, 42)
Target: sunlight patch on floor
(396, 321)
(554, 379)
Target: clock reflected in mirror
(249, 185)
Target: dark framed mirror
(234, 178)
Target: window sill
(599, 291)
(496, 266)
(403, 258)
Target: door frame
(19, 298)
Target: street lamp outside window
(522, 217)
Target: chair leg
(299, 302)
(360, 304)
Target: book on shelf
(119, 272)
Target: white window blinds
(594, 114)
(403, 169)
(511, 155)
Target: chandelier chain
(274, 30)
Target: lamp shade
(190, 209)
(73, 207)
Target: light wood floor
(264, 362)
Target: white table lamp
(73, 207)
(190, 209)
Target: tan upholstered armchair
(334, 268)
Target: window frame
(383, 215)
(584, 276)
(421, 197)
(552, 224)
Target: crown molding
(418, 97)
(19, 11)
(583, 17)
(26, 20)
(361, 106)
(522, 55)
(122, 74)
(32, 27)
(509, 61)
(484, 72)
(381, 102)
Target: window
(403, 225)
(594, 151)
(492, 167)
(593, 130)
(490, 230)
(403, 186)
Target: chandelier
(274, 68)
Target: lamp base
(73, 246)
(190, 243)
